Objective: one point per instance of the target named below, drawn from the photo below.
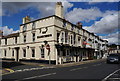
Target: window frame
(12, 52)
(33, 53)
(24, 52)
(5, 52)
(24, 38)
(42, 50)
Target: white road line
(75, 69)
(114, 78)
(21, 70)
(78, 68)
(37, 76)
(97, 65)
(110, 75)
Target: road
(95, 71)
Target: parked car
(113, 58)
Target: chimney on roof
(1, 33)
(79, 24)
(59, 10)
(26, 19)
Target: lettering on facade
(49, 35)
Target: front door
(17, 54)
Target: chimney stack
(26, 19)
(79, 24)
(59, 10)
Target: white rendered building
(51, 38)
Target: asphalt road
(96, 71)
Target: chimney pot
(79, 24)
(26, 19)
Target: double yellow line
(10, 71)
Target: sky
(97, 16)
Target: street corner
(6, 71)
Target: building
(52, 39)
(113, 48)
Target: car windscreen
(113, 55)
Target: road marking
(114, 78)
(110, 75)
(37, 76)
(33, 69)
(75, 69)
(10, 70)
(78, 68)
(97, 65)
(21, 70)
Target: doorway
(17, 54)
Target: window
(33, 25)
(5, 41)
(79, 40)
(64, 52)
(58, 34)
(67, 52)
(66, 37)
(24, 28)
(24, 38)
(62, 38)
(64, 23)
(71, 39)
(74, 38)
(13, 52)
(5, 53)
(24, 52)
(42, 53)
(33, 52)
(33, 37)
(16, 40)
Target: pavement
(97, 70)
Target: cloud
(106, 25)
(83, 14)
(7, 30)
(44, 8)
(113, 38)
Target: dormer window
(24, 28)
(33, 25)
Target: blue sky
(99, 17)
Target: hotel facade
(52, 39)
